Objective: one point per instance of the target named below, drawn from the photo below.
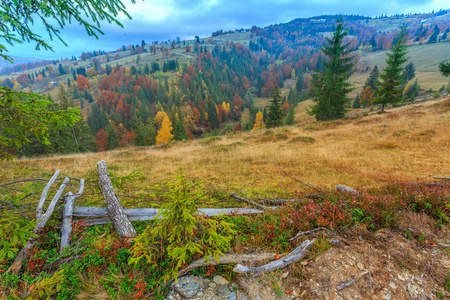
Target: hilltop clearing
(408, 143)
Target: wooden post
(120, 220)
(66, 229)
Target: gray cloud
(167, 19)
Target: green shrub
(180, 232)
(14, 233)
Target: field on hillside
(410, 144)
(426, 59)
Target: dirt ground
(387, 264)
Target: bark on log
(292, 257)
(66, 229)
(144, 214)
(346, 189)
(23, 254)
(122, 225)
(260, 206)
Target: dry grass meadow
(410, 143)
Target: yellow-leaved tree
(159, 118)
(259, 122)
(165, 133)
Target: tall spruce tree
(330, 86)
(392, 74)
(410, 72)
(373, 79)
(275, 113)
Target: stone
(360, 266)
(232, 296)
(223, 291)
(392, 285)
(212, 285)
(401, 278)
(412, 290)
(190, 285)
(219, 280)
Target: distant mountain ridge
(18, 61)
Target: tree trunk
(121, 223)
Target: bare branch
(311, 231)
(260, 206)
(304, 183)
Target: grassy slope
(426, 59)
(409, 143)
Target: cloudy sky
(167, 19)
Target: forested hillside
(155, 93)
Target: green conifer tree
(275, 113)
(392, 74)
(330, 86)
(290, 118)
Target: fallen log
(43, 218)
(121, 223)
(292, 257)
(66, 229)
(444, 178)
(427, 184)
(145, 214)
(260, 206)
(228, 259)
(346, 189)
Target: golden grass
(409, 143)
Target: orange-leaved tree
(101, 140)
(82, 82)
(367, 97)
(165, 133)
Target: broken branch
(292, 257)
(311, 231)
(260, 206)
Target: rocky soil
(363, 265)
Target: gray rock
(219, 280)
(189, 286)
(212, 285)
(223, 291)
(392, 285)
(232, 296)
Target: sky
(167, 19)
